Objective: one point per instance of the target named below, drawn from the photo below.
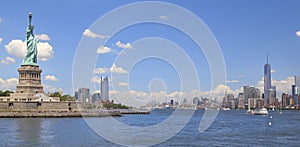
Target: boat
(262, 111)
(226, 109)
(167, 106)
(250, 112)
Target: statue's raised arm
(30, 18)
(31, 55)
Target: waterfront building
(293, 91)
(271, 97)
(254, 103)
(96, 97)
(241, 101)
(250, 92)
(104, 89)
(228, 101)
(251, 103)
(83, 95)
(246, 93)
(76, 96)
(253, 92)
(231, 101)
(297, 82)
(260, 103)
(296, 90)
(285, 100)
(291, 101)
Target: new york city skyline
(245, 32)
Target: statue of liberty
(31, 41)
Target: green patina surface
(31, 41)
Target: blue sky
(245, 30)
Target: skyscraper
(83, 94)
(296, 90)
(297, 81)
(95, 97)
(246, 93)
(267, 79)
(241, 101)
(104, 89)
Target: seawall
(21, 114)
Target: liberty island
(29, 99)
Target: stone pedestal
(29, 83)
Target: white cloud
(272, 71)
(1, 20)
(18, 48)
(8, 84)
(8, 60)
(1, 40)
(298, 34)
(89, 33)
(123, 45)
(101, 70)
(42, 37)
(103, 50)
(232, 81)
(113, 69)
(161, 96)
(282, 86)
(51, 78)
(49, 88)
(164, 17)
(45, 51)
(123, 84)
(96, 79)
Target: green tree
(55, 94)
(115, 106)
(66, 97)
(5, 93)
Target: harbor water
(230, 128)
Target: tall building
(267, 79)
(251, 97)
(228, 101)
(76, 96)
(104, 89)
(296, 90)
(241, 101)
(293, 91)
(246, 93)
(297, 82)
(271, 98)
(251, 92)
(285, 100)
(95, 97)
(83, 95)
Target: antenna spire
(267, 57)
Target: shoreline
(61, 113)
